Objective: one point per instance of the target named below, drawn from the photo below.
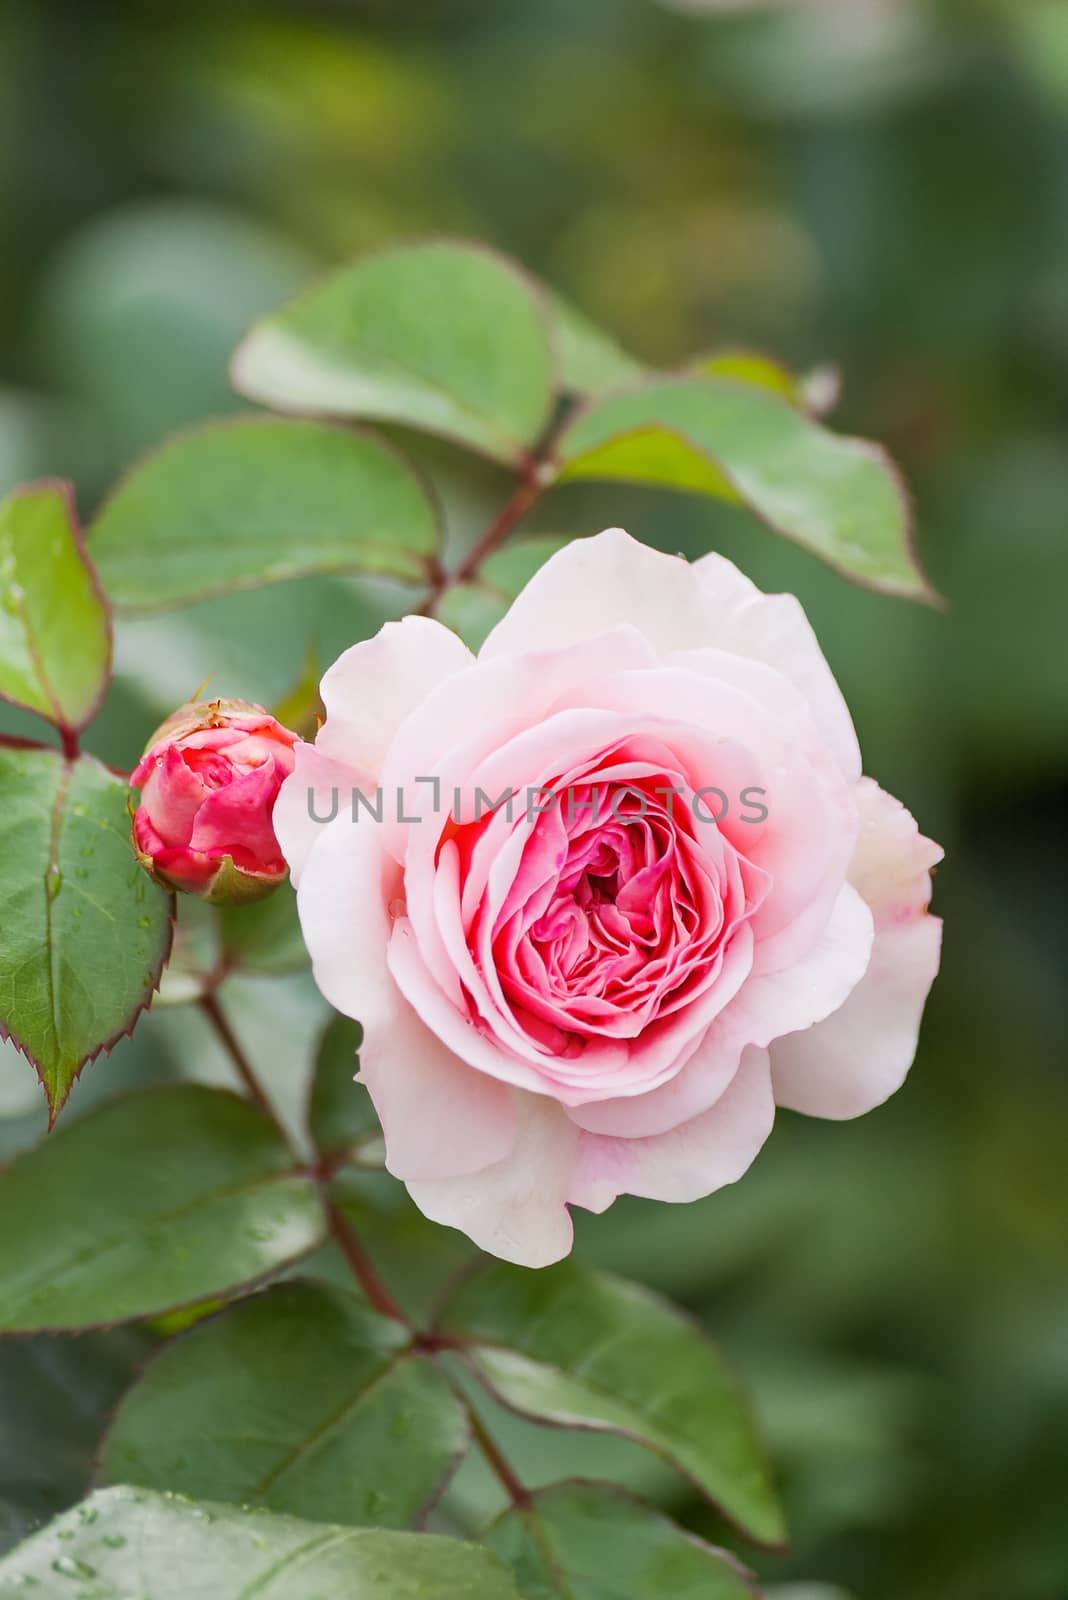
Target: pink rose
(561, 1005)
(209, 781)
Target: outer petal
(858, 1057)
(515, 1209)
(314, 792)
(370, 689)
(773, 628)
(693, 1090)
(690, 1161)
(765, 1007)
(775, 1003)
(596, 584)
(463, 722)
(171, 794)
(236, 819)
(439, 1117)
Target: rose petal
(316, 791)
(237, 818)
(439, 1118)
(657, 594)
(462, 722)
(690, 1161)
(515, 1209)
(693, 1090)
(856, 1058)
(600, 583)
(369, 690)
(773, 628)
(775, 1003)
(171, 794)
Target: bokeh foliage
(886, 194)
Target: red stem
(526, 492)
(362, 1266)
(353, 1251)
(245, 1070)
(359, 1262)
(515, 1491)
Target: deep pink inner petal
(615, 910)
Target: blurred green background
(880, 184)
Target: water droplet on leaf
(71, 1567)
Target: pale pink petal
(775, 1003)
(439, 1118)
(316, 791)
(486, 1057)
(515, 1209)
(677, 607)
(375, 685)
(807, 839)
(773, 628)
(596, 584)
(859, 1056)
(892, 862)
(697, 1086)
(690, 1161)
(463, 721)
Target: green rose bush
(584, 858)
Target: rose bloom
(209, 781)
(608, 992)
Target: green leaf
(509, 569)
(56, 1395)
(583, 1349)
(301, 708)
(234, 505)
(591, 360)
(816, 392)
(592, 1541)
(341, 1117)
(474, 609)
(749, 366)
(55, 632)
(301, 1399)
(123, 1542)
(154, 1201)
(84, 933)
(446, 337)
(840, 498)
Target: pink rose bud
(209, 780)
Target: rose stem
(530, 487)
(355, 1255)
(256, 1092)
(515, 1491)
(361, 1265)
(359, 1262)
